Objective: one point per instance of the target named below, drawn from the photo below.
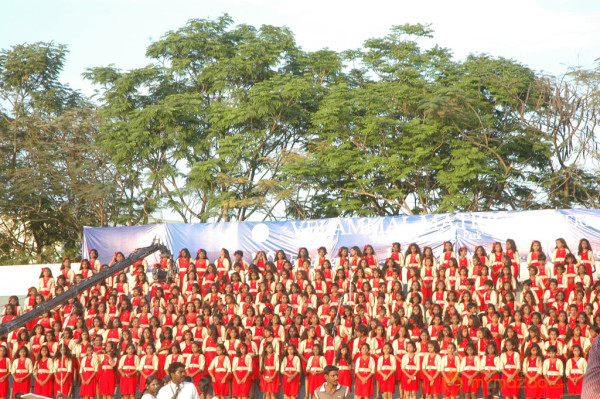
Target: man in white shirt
(177, 388)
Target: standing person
(575, 370)
(269, 379)
(4, 372)
(42, 373)
(88, 371)
(128, 370)
(331, 389)
(177, 388)
(152, 386)
(63, 371)
(343, 361)
(364, 369)
(450, 366)
(219, 370)
(409, 383)
(314, 370)
(242, 373)
(107, 379)
(490, 367)
(553, 374)
(469, 368)
(291, 369)
(148, 366)
(532, 368)
(21, 370)
(510, 365)
(195, 363)
(431, 365)
(386, 371)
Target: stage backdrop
(462, 229)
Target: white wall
(17, 279)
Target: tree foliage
(232, 122)
(54, 179)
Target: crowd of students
(414, 322)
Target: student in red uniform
(343, 361)
(242, 373)
(532, 369)
(314, 370)
(386, 367)
(148, 365)
(490, 367)
(430, 366)
(364, 369)
(269, 367)
(4, 372)
(88, 371)
(63, 371)
(291, 370)
(575, 371)
(409, 383)
(450, 367)
(585, 257)
(21, 370)
(128, 370)
(469, 368)
(107, 379)
(42, 373)
(553, 374)
(510, 364)
(219, 370)
(195, 363)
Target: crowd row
(276, 324)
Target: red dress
(87, 370)
(162, 358)
(291, 387)
(44, 368)
(270, 370)
(510, 388)
(210, 352)
(107, 380)
(129, 385)
(63, 367)
(431, 368)
(146, 369)
(4, 385)
(533, 389)
(363, 368)
(411, 368)
(22, 369)
(556, 390)
(329, 348)
(344, 374)
(488, 366)
(220, 367)
(194, 364)
(572, 388)
(244, 365)
(388, 385)
(468, 371)
(451, 370)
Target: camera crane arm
(75, 290)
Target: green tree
(212, 121)
(54, 179)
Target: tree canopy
(233, 122)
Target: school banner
(462, 229)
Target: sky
(547, 35)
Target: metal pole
(77, 289)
